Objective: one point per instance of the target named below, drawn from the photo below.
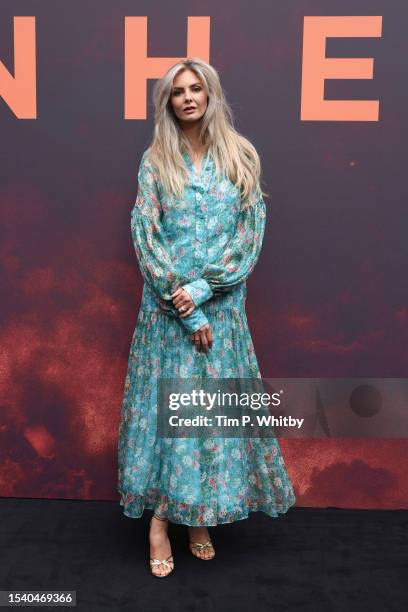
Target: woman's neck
(192, 133)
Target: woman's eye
(196, 89)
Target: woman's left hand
(183, 302)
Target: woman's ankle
(158, 526)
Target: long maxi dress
(207, 243)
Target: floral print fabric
(208, 243)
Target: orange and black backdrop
(329, 295)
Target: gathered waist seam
(213, 307)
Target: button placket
(201, 223)
(200, 185)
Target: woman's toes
(155, 570)
(160, 570)
(207, 553)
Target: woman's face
(188, 91)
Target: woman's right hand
(203, 338)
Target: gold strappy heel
(199, 547)
(169, 562)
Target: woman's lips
(189, 110)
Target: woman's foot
(161, 560)
(200, 543)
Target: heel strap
(159, 517)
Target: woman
(197, 225)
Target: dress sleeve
(153, 250)
(227, 269)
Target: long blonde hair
(233, 154)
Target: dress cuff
(199, 290)
(194, 321)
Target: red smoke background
(328, 297)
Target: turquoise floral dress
(209, 244)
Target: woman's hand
(183, 302)
(203, 338)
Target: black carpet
(308, 559)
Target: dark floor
(318, 560)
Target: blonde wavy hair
(233, 154)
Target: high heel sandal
(198, 546)
(156, 562)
